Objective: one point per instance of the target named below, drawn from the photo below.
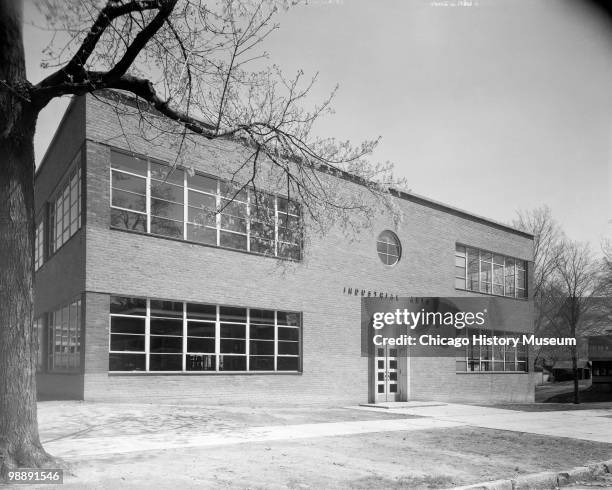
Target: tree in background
(566, 287)
(196, 71)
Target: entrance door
(386, 374)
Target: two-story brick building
(142, 295)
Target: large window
(490, 273)
(152, 198)
(490, 358)
(65, 338)
(158, 335)
(65, 209)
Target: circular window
(389, 248)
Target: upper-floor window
(65, 208)
(490, 273)
(388, 247)
(154, 198)
(65, 338)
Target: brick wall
(333, 370)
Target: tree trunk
(19, 441)
(575, 370)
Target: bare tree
(548, 239)
(195, 68)
(577, 286)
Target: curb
(546, 479)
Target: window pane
(126, 362)
(201, 363)
(166, 227)
(166, 326)
(127, 343)
(128, 220)
(201, 216)
(131, 183)
(473, 269)
(128, 163)
(459, 283)
(232, 240)
(128, 200)
(123, 324)
(230, 314)
(233, 346)
(161, 308)
(165, 362)
(288, 318)
(262, 347)
(261, 363)
(230, 190)
(166, 344)
(167, 209)
(201, 234)
(199, 200)
(202, 183)
(288, 333)
(288, 363)
(293, 252)
(201, 311)
(232, 363)
(128, 306)
(286, 206)
(460, 249)
(200, 329)
(288, 348)
(196, 344)
(232, 223)
(167, 192)
(262, 230)
(261, 316)
(233, 330)
(167, 173)
(264, 332)
(259, 245)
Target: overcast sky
(494, 107)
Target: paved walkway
(589, 425)
(92, 446)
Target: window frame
(466, 359)
(396, 243)
(69, 193)
(519, 265)
(221, 211)
(218, 354)
(74, 363)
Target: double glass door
(386, 374)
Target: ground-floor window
(65, 338)
(491, 358)
(162, 335)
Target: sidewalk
(97, 446)
(588, 425)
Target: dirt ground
(438, 458)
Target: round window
(389, 248)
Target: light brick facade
(99, 261)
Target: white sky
(500, 106)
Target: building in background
(142, 295)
